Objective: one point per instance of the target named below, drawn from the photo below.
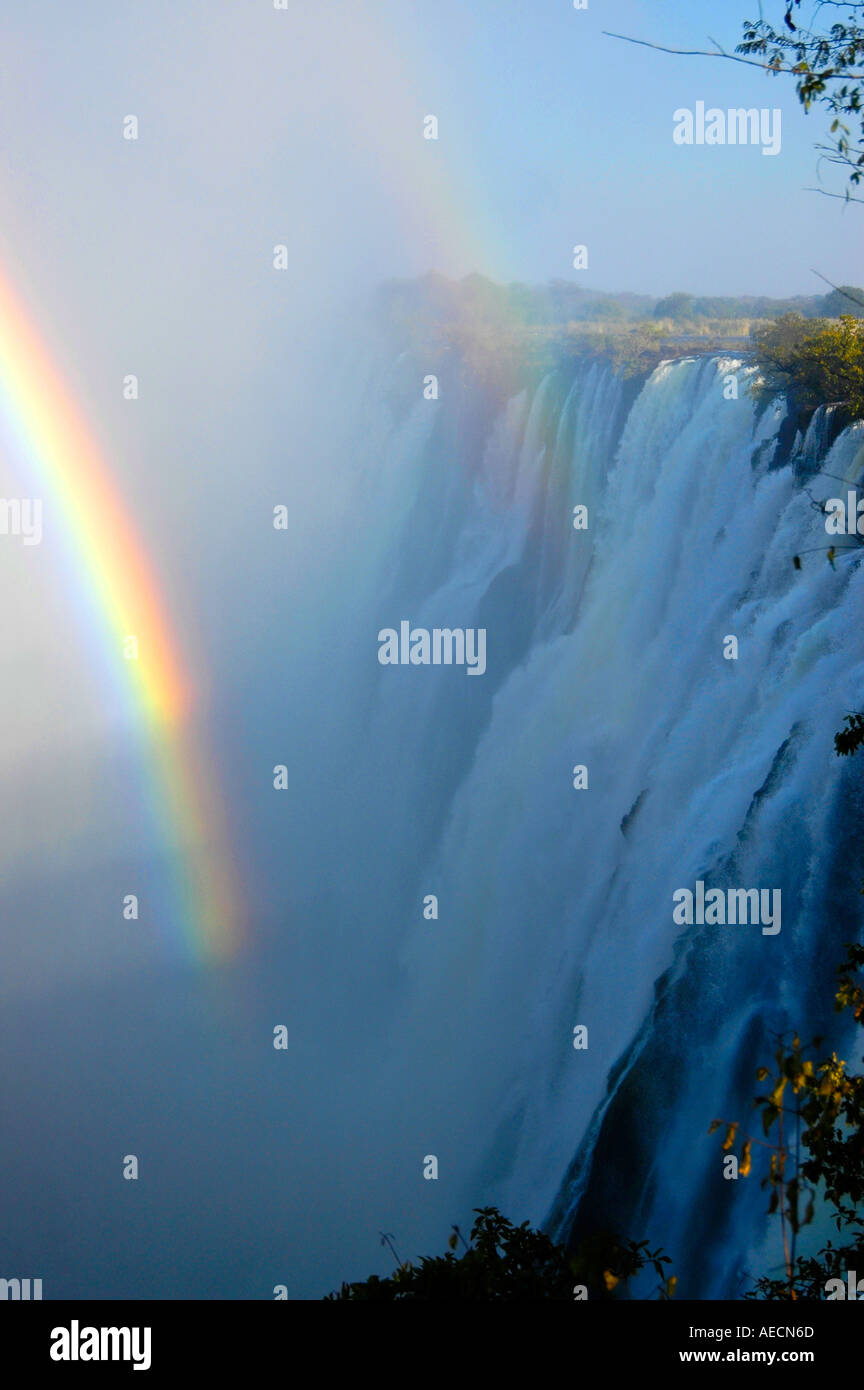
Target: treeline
(504, 336)
(475, 300)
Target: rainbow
(116, 584)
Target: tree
(675, 306)
(608, 311)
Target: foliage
(510, 1262)
(827, 68)
(815, 361)
(674, 306)
(850, 739)
(814, 1106)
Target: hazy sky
(304, 126)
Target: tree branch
(839, 288)
(846, 197)
(732, 57)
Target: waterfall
(605, 650)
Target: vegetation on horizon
(811, 349)
(414, 307)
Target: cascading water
(605, 649)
